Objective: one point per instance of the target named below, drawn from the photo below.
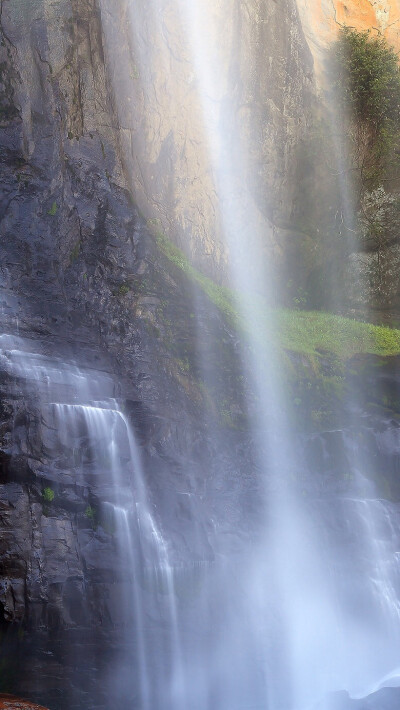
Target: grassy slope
(299, 331)
(307, 332)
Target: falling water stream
(309, 612)
(311, 604)
(95, 438)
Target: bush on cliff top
(368, 76)
(367, 82)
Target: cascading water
(141, 544)
(303, 600)
(95, 441)
(312, 605)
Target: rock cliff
(179, 136)
(260, 97)
(88, 119)
(322, 19)
(85, 288)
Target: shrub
(368, 76)
(48, 495)
(123, 290)
(91, 515)
(53, 209)
(368, 87)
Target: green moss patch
(221, 296)
(314, 331)
(304, 332)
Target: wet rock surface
(261, 101)
(9, 702)
(84, 291)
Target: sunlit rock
(322, 19)
(9, 702)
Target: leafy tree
(366, 84)
(368, 91)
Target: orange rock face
(322, 19)
(9, 702)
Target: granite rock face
(258, 110)
(321, 21)
(85, 289)
(369, 275)
(254, 98)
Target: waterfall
(96, 443)
(314, 606)
(286, 594)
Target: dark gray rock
(82, 281)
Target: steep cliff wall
(261, 99)
(265, 100)
(321, 20)
(82, 281)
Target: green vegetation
(367, 79)
(307, 332)
(90, 514)
(123, 290)
(368, 76)
(183, 364)
(368, 83)
(315, 331)
(219, 295)
(48, 495)
(53, 209)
